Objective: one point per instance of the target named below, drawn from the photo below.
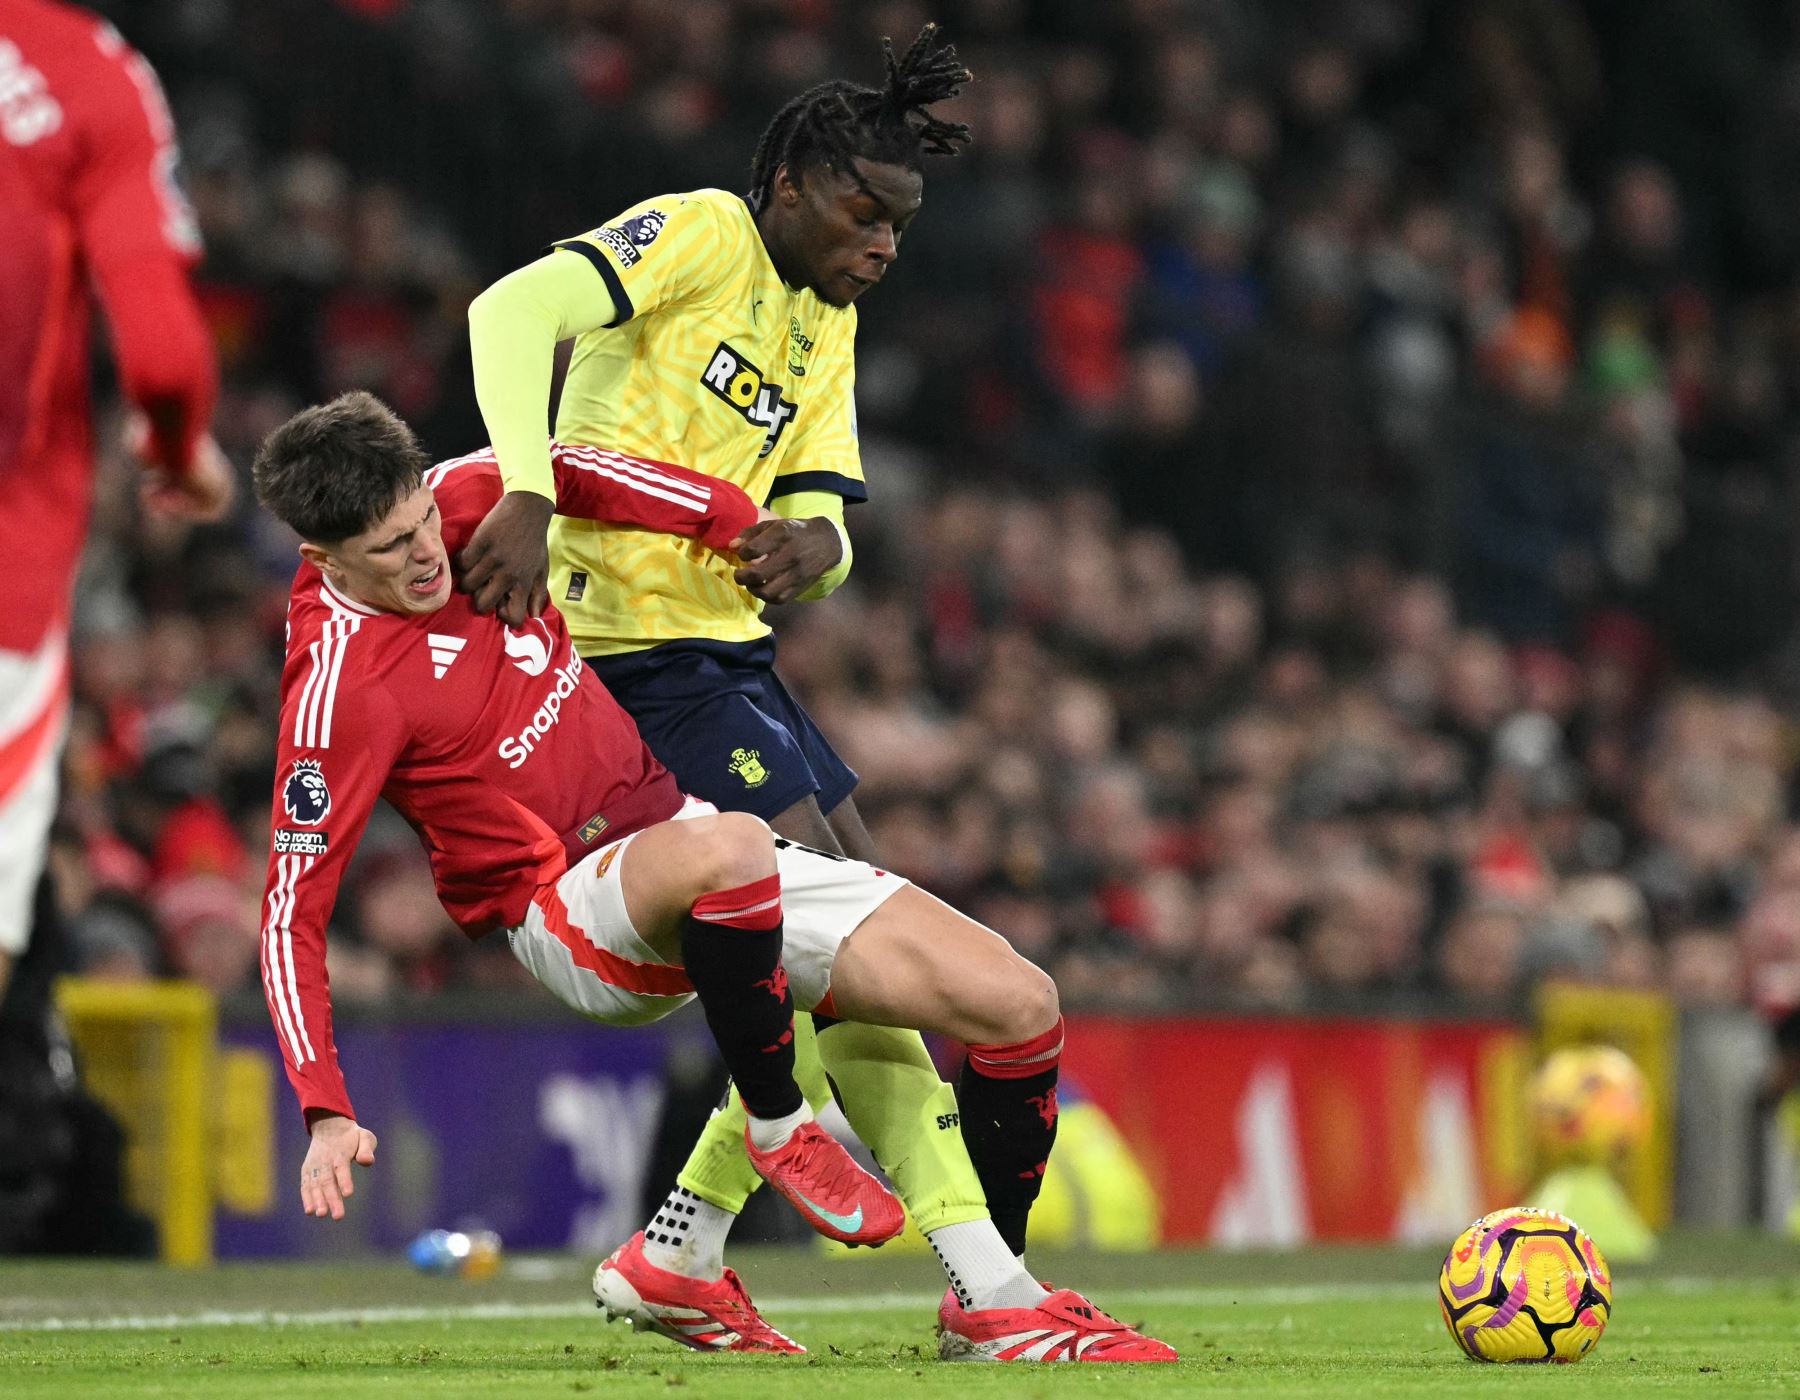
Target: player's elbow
(509, 309)
(487, 312)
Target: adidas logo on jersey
(444, 650)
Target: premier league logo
(627, 236)
(643, 228)
(306, 799)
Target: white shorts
(34, 715)
(578, 940)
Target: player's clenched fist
(784, 558)
(325, 1174)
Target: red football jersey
(87, 193)
(503, 751)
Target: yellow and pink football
(1525, 1285)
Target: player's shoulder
(473, 473)
(339, 653)
(649, 217)
(694, 222)
(726, 215)
(320, 615)
(69, 75)
(465, 488)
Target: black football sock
(731, 945)
(1007, 1096)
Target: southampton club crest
(747, 764)
(306, 799)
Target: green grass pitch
(1718, 1315)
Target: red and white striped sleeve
(596, 483)
(340, 736)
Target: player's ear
(316, 555)
(787, 185)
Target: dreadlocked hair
(833, 123)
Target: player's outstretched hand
(203, 493)
(505, 566)
(325, 1174)
(784, 558)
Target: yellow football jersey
(714, 362)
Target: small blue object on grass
(473, 1254)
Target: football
(1525, 1285)
(1590, 1103)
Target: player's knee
(1036, 1006)
(1019, 1005)
(730, 849)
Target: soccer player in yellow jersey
(717, 331)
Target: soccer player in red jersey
(547, 817)
(87, 195)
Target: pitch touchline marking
(866, 1302)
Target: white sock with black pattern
(983, 1272)
(687, 1236)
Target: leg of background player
(852, 836)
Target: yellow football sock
(907, 1115)
(718, 1170)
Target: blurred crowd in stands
(1331, 536)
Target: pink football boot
(822, 1181)
(716, 1316)
(1064, 1327)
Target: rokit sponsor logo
(740, 385)
(519, 748)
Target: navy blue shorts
(722, 722)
